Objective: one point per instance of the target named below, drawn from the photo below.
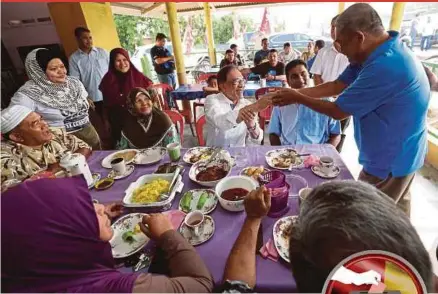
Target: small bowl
(104, 184)
(232, 182)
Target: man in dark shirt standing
(163, 61)
(262, 54)
(271, 70)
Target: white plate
(150, 155)
(281, 243)
(106, 162)
(210, 203)
(120, 248)
(129, 170)
(227, 165)
(196, 151)
(316, 169)
(273, 155)
(206, 231)
(243, 172)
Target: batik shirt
(19, 162)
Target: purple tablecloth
(194, 91)
(271, 276)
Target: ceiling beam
(125, 5)
(152, 7)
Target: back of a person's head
(320, 44)
(341, 218)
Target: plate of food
(150, 155)
(208, 175)
(195, 154)
(204, 200)
(128, 238)
(146, 191)
(254, 172)
(128, 155)
(282, 232)
(283, 158)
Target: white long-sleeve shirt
(221, 128)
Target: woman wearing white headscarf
(61, 100)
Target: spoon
(163, 196)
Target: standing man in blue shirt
(297, 124)
(89, 64)
(386, 90)
(163, 61)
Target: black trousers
(115, 118)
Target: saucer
(206, 231)
(96, 178)
(316, 169)
(128, 172)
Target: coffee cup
(302, 195)
(174, 150)
(326, 164)
(119, 166)
(193, 220)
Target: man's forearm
(329, 89)
(162, 60)
(325, 107)
(84, 151)
(334, 140)
(241, 264)
(280, 78)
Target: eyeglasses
(239, 81)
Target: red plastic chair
(178, 121)
(199, 128)
(163, 95)
(204, 77)
(196, 105)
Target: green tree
(130, 34)
(223, 27)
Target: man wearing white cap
(29, 147)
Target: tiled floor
(424, 191)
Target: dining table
(271, 276)
(194, 91)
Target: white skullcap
(12, 117)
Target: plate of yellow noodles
(146, 190)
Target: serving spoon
(164, 196)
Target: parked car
(298, 41)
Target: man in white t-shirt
(328, 65)
(426, 35)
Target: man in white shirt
(288, 54)
(89, 64)
(231, 120)
(328, 65)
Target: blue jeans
(426, 42)
(169, 79)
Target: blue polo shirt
(388, 96)
(299, 125)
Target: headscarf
(115, 86)
(144, 131)
(69, 97)
(12, 116)
(50, 241)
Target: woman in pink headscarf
(55, 240)
(121, 78)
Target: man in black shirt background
(240, 60)
(271, 70)
(163, 61)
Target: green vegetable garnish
(202, 200)
(187, 199)
(128, 237)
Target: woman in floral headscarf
(145, 125)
